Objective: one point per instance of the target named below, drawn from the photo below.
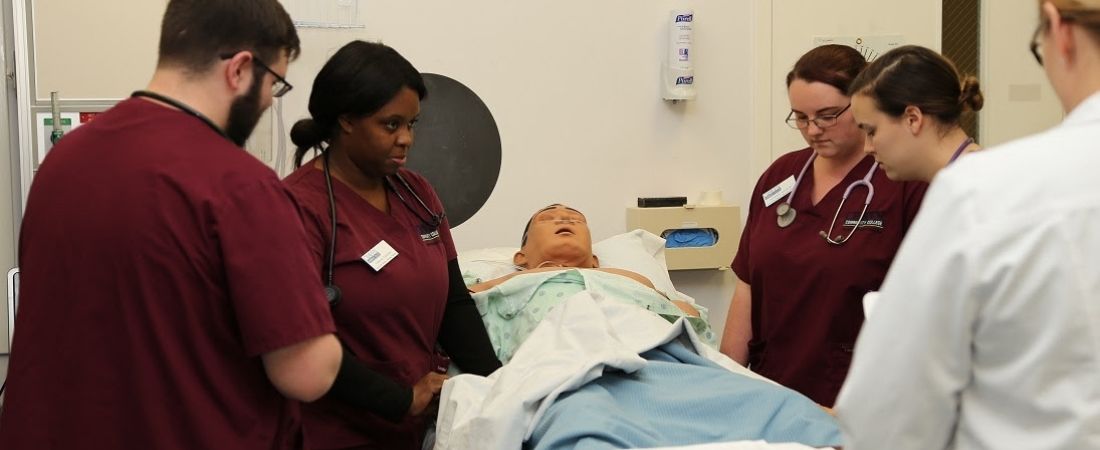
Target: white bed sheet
(571, 347)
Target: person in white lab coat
(987, 333)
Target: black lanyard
(182, 107)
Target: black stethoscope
(182, 107)
(431, 224)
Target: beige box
(726, 220)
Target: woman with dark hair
(909, 102)
(823, 226)
(384, 248)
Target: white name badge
(779, 191)
(379, 256)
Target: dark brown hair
(832, 64)
(916, 76)
(195, 33)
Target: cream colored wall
(102, 49)
(1018, 98)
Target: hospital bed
(590, 338)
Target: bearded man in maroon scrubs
(167, 296)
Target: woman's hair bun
(971, 96)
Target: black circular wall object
(457, 147)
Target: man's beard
(244, 113)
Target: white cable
(280, 139)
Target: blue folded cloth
(680, 398)
(690, 237)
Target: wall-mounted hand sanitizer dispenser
(678, 74)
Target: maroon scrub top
(158, 262)
(390, 318)
(807, 294)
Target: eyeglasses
(280, 87)
(1065, 16)
(1034, 46)
(823, 121)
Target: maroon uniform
(390, 318)
(807, 293)
(158, 262)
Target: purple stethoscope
(785, 214)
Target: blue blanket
(680, 398)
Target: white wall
(577, 102)
(1018, 98)
(8, 190)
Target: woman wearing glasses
(385, 252)
(986, 333)
(909, 102)
(823, 226)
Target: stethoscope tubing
(864, 182)
(332, 292)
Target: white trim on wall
(23, 96)
(760, 155)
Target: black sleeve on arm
(359, 386)
(462, 333)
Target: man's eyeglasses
(280, 87)
(823, 121)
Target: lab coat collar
(1087, 111)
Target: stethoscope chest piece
(784, 215)
(332, 294)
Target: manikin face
(557, 236)
(812, 99)
(888, 140)
(379, 144)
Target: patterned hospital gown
(512, 310)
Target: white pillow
(485, 264)
(637, 251)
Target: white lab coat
(987, 331)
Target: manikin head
(556, 236)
